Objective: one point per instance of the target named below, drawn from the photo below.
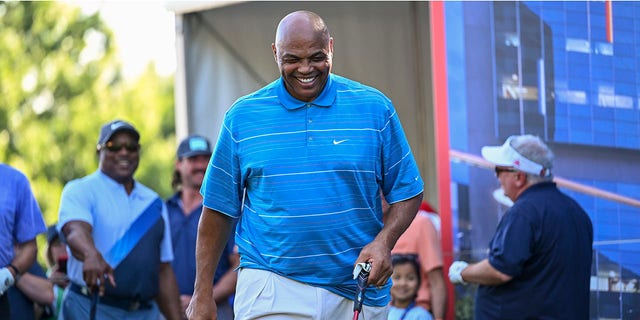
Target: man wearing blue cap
(118, 235)
(185, 208)
(539, 262)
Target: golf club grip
(361, 287)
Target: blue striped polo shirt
(312, 174)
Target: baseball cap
(194, 145)
(506, 156)
(113, 127)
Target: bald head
(301, 22)
(303, 51)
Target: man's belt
(120, 303)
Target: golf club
(94, 301)
(362, 278)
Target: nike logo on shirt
(336, 142)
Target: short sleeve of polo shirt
(75, 205)
(223, 176)
(511, 245)
(401, 178)
(166, 247)
(29, 221)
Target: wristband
(15, 270)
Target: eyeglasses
(112, 147)
(500, 170)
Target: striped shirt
(312, 174)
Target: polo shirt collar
(538, 186)
(115, 184)
(325, 99)
(175, 199)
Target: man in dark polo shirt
(539, 263)
(184, 208)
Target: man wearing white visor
(539, 261)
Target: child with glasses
(406, 281)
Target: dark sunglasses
(500, 170)
(112, 147)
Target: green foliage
(59, 82)
(464, 301)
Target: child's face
(405, 283)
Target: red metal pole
(608, 15)
(441, 127)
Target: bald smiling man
(301, 163)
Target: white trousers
(265, 295)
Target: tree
(59, 82)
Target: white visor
(506, 156)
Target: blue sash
(136, 231)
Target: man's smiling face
(304, 58)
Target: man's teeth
(306, 80)
(124, 162)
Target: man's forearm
(38, 290)
(398, 219)
(484, 273)
(79, 239)
(438, 292)
(378, 251)
(226, 285)
(25, 256)
(214, 229)
(168, 297)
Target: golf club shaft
(94, 302)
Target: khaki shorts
(265, 295)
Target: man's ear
(521, 178)
(275, 52)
